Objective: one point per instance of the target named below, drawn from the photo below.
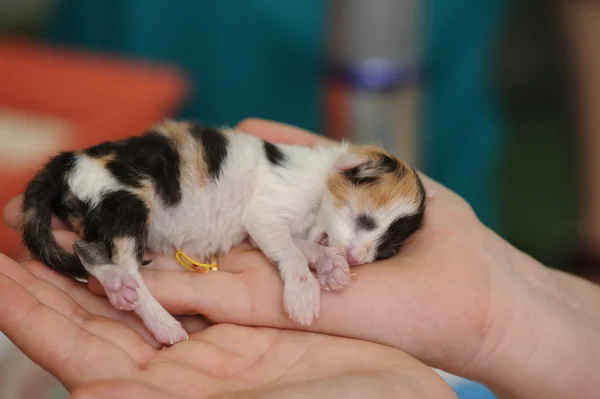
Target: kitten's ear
(349, 161)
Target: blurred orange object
(55, 99)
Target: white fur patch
(214, 217)
(89, 180)
(399, 208)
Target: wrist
(542, 341)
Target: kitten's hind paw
(121, 288)
(168, 332)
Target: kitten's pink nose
(352, 260)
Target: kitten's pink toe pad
(333, 272)
(121, 288)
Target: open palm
(81, 339)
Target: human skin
(457, 297)
(96, 352)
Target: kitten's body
(203, 191)
(289, 191)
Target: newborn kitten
(203, 190)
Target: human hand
(96, 352)
(457, 297)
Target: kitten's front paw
(333, 272)
(302, 299)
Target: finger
(277, 132)
(254, 297)
(70, 287)
(71, 299)
(194, 324)
(225, 295)
(13, 215)
(95, 287)
(163, 263)
(41, 289)
(54, 341)
(79, 294)
(120, 389)
(64, 238)
(177, 292)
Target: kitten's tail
(42, 196)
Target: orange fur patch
(201, 168)
(121, 247)
(192, 161)
(76, 223)
(178, 132)
(388, 188)
(105, 159)
(401, 183)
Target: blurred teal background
(265, 58)
(258, 58)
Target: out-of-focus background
(494, 99)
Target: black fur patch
(366, 222)
(69, 205)
(389, 165)
(215, 148)
(398, 232)
(401, 229)
(42, 195)
(369, 173)
(151, 156)
(274, 154)
(357, 178)
(47, 186)
(120, 214)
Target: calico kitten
(183, 186)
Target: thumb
(246, 288)
(228, 295)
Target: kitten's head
(374, 203)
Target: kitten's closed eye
(366, 222)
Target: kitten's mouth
(323, 240)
